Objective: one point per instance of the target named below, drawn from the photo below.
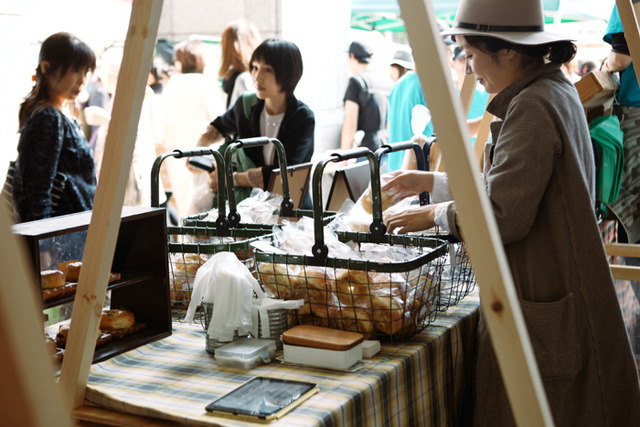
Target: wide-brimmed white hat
(403, 58)
(517, 21)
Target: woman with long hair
(239, 40)
(51, 140)
(190, 100)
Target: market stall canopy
(384, 15)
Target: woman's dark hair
(557, 52)
(62, 51)
(286, 60)
(159, 70)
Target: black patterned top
(42, 153)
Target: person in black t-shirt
(366, 101)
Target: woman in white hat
(540, 177)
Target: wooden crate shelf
(140, 257)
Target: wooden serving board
(319, 337)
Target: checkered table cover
(418, 382)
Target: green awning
(384, 15)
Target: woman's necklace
(270, 122)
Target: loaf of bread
(52, 279)
(73, 271)
(59, 292)
(63, 333)
(50, 343)
(116, 320)
(61, 336)
(367, 202)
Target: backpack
(606, 136)
(240, 160)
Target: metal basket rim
(249, 234)
(439, 246)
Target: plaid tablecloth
(424, 381)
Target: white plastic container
(370, 348)
(245, 353)
(322, 358)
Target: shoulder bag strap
(249, 100)
(60, 179)
(364, 95)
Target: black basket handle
(222, 224)
(286, 207)
(377, 227)
(420, 160)
(426, 150)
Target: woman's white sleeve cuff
(440, 191)
(440, 214)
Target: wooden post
(29, 395)
(103, 230)
(497, 294)
(466, 93)
(483, 134)
(624, 272)
(466, 98)
(627, 10)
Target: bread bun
(73, 271)
(366, 200)
(50, 343)
(52, 279)
(356, 320)
(116, 320)
(61, 336)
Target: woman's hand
(415, 218)
(407, 182)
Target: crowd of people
(181, 101)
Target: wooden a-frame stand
(466, 98)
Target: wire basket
(287, 210)
(458, 278)
(373, 298)
(189, 247)
(391, 300)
